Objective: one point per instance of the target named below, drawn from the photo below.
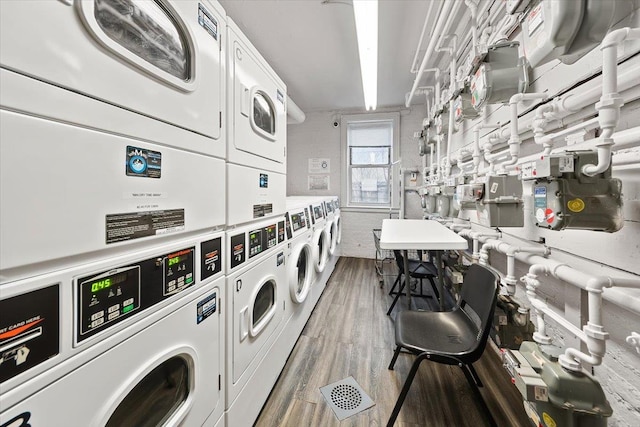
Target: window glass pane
(155, 398)
(370, 155)
(370, 186)
(370, 133)
(265, 299)
(263, 114)
(145, 29)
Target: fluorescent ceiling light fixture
(366, 14)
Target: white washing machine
(256, 297)
(133, 340)
(123, 138)
(300, 270)
(256, 155)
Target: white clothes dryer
(117, 148)
(132, 339)
(256, 297)
(257, 127)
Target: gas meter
(552, 395)
(502, 74)
(564, 198)
(468, 194)
(565, 30)
(501, 204)
(462, 106)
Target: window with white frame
(369, 150)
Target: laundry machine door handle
(244, 323)
(245, 100)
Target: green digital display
(107, 282)
(174, 260)
(101, 284)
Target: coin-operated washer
(130, 340)
(257, 123)
(257, 294)
(300, 271)
(118, 148)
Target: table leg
(440, 278)
(407, 277)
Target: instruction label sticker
(262, 210)
(535, 18)
(237, 250)
(29, 330)
(143, 163)
(211, 263)
(207, 21)
(206, 307)
(135, 225)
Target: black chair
(418, 270)
(455, 337)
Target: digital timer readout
(176, 260)
(107, 282)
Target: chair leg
(405, 389)
(395, 284)
(395, 357)
(475, 375)
(474, 381)
(435, 288)
(395, 300)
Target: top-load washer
(137, 339)
(257, 133)
(300, 270)
(256, 297)
(124, 138)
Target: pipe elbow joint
(616, 37)
(597, 284)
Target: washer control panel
(108, 297)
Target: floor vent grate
(346, 398)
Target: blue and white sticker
(207, 307)
(143, 163)
(280, 96)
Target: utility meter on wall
(502, 74)
(565, 198)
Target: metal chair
(418, 270)
(455, 337)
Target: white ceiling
(312, 46)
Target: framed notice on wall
(317, 165)
(318, 182)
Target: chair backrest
(480, 292)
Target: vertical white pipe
(448, 5)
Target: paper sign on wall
(318, 182)
(317, 165)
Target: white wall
(316, 137)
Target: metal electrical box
(564, 198)
(552, 395)
(501, 205)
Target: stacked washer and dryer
(112, 213)
(143, 195)
(257, 291)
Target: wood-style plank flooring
(349, 334)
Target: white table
(405, 234)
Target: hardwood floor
(349, 334)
